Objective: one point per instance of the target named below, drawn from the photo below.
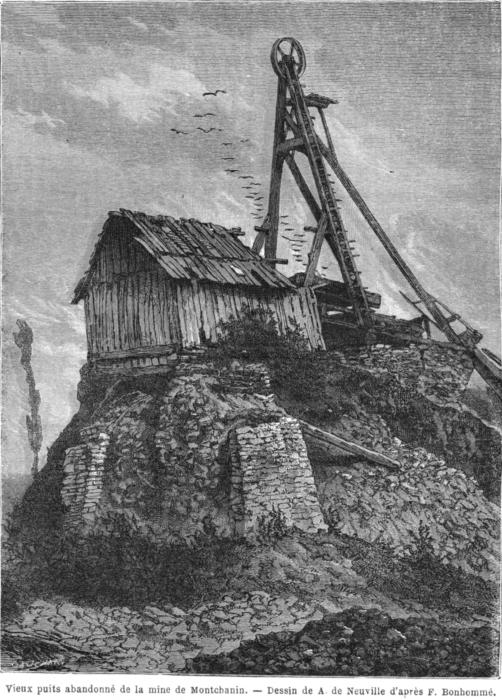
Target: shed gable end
(129, 300)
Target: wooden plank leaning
(329, 440)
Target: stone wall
(439, 371)
(233, 377)
(83, 477)
(135, 365)
(244, 377)
(272, 478)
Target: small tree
(24, 340)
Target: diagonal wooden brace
(315, 250)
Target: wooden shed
(156, 285)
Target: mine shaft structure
(294, 133)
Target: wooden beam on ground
(329, 440)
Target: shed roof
(189, 249)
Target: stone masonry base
(272, 477)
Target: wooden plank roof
(190, 249)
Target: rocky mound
(424, 504)
(360, 642)
(129, 542)
(263, 592)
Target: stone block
(263, 458)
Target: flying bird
(177, 131)
(211, 128)
(228, 158)
(207, 114)
(230, 170)
(245, 177)
(258, 198)
(205, 94)
(256, 184)
(246, 187)
(226, 143)
(244, 140)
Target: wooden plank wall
(132, 305)
(201, 307)
(131, 301)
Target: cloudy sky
(91, 93)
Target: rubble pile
(384, 402)
(360, 642)
(439, 371)
(380, 506)
(162, 639)
(366, 429)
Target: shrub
(423, 551)
(119, 566)
(255, 336)
(11, 602)
(271, 526)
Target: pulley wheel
(291, 48)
